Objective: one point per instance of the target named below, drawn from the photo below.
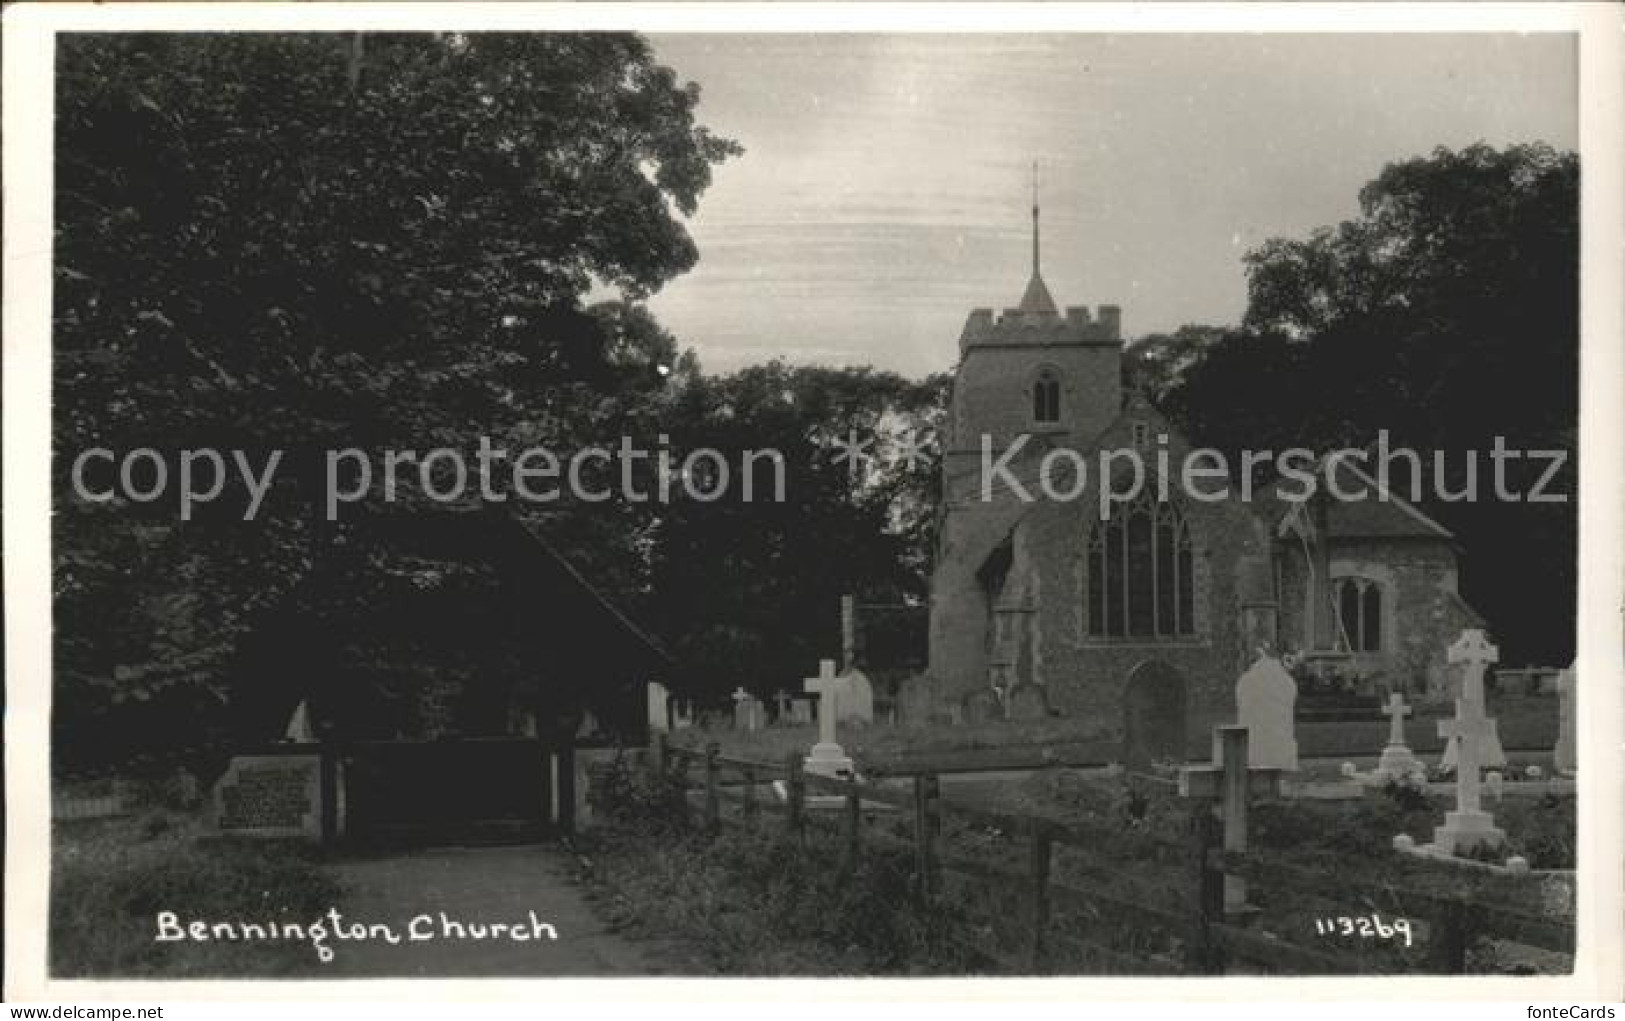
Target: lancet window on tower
(1047, 397)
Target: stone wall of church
(1085, 675)
(1423, 611)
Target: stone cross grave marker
(1565, 755)
(1265, 697)
(1231, 782)
(1469, 825)
(1397, 762)
(827, 757)
(1490, 753)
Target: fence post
(750, 796)
(713, 816)
(1203, 955)
(795, 789)
(1040, 861)
(925, 827)
(854, 822)
(1450, 940)
(1233, 757)
(567, 789)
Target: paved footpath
(477, 886)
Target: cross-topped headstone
(1397, 762)
(1469, 826)
(1229, 781)
(1396, 710)
(827, 757)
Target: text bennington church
(1147, 614)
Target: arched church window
(1141, 572)
(1359, 613)
(1047, 396)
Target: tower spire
(1036, 300)
(1035, 218)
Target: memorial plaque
(270, 796)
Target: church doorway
(1153, 715)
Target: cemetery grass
(111, 877)
(1344, 846)
(755, 902)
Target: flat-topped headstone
(659, 708)
(856, 697)
(1565, 755)
(1265, 697)
(747, 710)
(269, 796)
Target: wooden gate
(471, 790)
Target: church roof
(1366, 509)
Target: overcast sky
(884, 191)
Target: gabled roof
(1357, 506)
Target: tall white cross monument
(1469, 826)
(826, 758)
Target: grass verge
(110, 878)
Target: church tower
(1034, 371)
(1031, 372)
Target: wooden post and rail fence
(1203, 916)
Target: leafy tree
(1447, 315)
(750, 590)
(307, 242)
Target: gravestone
(1265, 696)
(747, 710)
(982, 706)
(682, 714)
(1397, 763)
(856, 697)
(1490, 753)
(269, 796)
(801, 713)
(827, 757)
(659, 708)
(782, 712)
(1153, 715)
(299, 730)
(1469, 826)
(1564, 755)
(1027, 701)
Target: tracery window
(1359, 613)
(1141, 572)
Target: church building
(1144, 617)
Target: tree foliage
(312, 242)
(1447, 315)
